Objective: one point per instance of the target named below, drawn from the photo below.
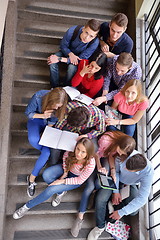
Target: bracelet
(59, 59)
(112, 168)
(119, 123)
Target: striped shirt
(95, 124)
(82, 175)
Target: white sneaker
(95, 233)
(58, 199)
(19, 213)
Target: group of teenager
(100, 65)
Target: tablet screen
(106, 182)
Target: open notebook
(76, 95)
(56, 138)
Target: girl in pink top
(89, 76)
(111, 144)
(131, 103)
(77, 167)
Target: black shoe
(30, 188)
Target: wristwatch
(59, 59)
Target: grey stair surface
(41, 25)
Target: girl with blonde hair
(131, 103)
(45, 108)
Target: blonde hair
(134, 82)
(56, 96)
(89, 146)
(124, 141)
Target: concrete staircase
(37, 27)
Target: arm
(65, 46)
(127, 121)
(141, 198)
(54, 59)
(82, 70)
(96, 87)
(99, 126)
(84, 175)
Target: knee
(46, 176)
(33, 140)
(53, 66)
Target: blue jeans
(101, 204)
(91, 184)
(127, 129)
(54, 72)
(35, 128)
(50, 175)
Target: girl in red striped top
(76, 168)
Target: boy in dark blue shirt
(72, 50)
(114, 40)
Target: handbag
(119, 230)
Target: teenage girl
(131, 103)
(89, 76)
(111, 145)
(44, 108)
(77, 167)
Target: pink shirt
(83, 174)
(103, 143)
(129, 109)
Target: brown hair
(120, 19)
(136, 162)
(134, 82)
(78, 116)
(56, 96)
(125, 143)
(93, 24)
(89, 146)
(125, 59)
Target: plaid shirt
(96, 120)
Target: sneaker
(95, 233)
(19, 213)
(58, 199)
(31, 187)
(76, 227)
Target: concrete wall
(3, 10)
(142, 7)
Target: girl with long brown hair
(111, 145)
(77, 167)
(44, 108)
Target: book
(59, 139)
(106, 182)
(74, 94)
(112, 113)
(125, 191)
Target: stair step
(39, 84)
(70, 12)
(64, 234)
(38, 38)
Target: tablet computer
(106, 182)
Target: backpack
(75, 33)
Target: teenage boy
(88, 121)
(121, 69)
(79, 42)
(114, 40)
(136, 169)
